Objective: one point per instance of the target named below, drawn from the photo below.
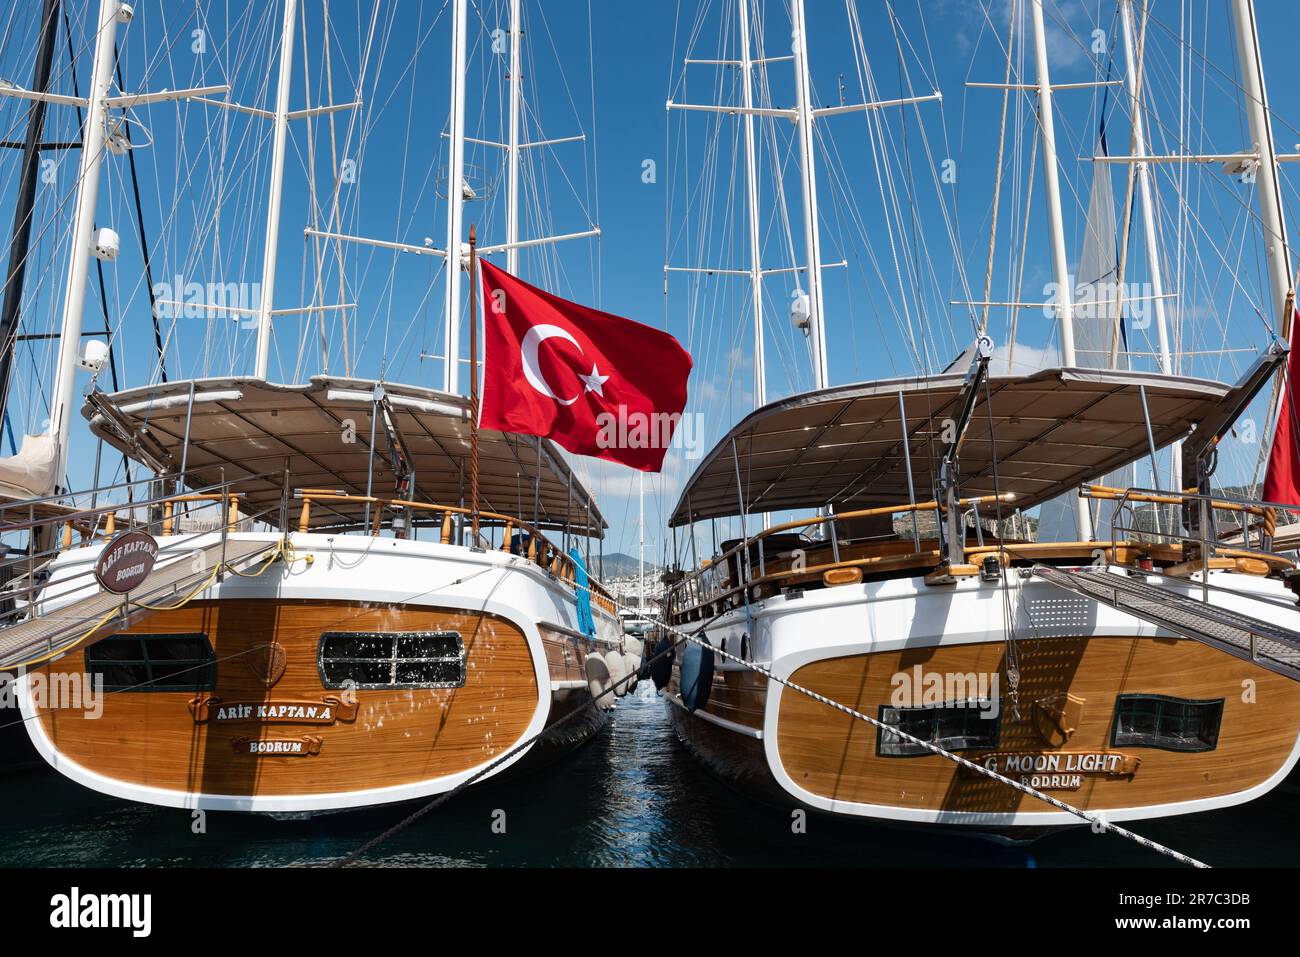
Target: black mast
(26, 199)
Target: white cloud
(609, 479)
(1065, 23)
(1024, 360)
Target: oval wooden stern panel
(392, 737)
(1068, 694)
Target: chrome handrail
(1125, 499)
(24, 588)
(82, 514)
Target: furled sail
(30, 473)
(1097, 336)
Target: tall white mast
(512, 147)
(455, 195)
(272, 247)
(1052, 180)
(808, 168)
(92, 156)
(457, 251)
(1142, 172)
(751, 188)
(803, 116)
(1261, 130)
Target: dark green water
(631, 797)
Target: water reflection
(631, 797)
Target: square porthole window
(962, 726)
(404, 659)
(1171, 724)
(153, 662)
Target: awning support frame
(1201, 448)
(954, 540)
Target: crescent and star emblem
(533, 339)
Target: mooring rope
(1094, 819)
(446, 796)
(1097, 821)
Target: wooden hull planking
(804, 753)
(393, 742)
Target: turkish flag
(596, 383)
(1282, 477)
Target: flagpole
(473, 386)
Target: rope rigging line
(1094, 819)
(1098, 821)
(446, 796)
(997, 176)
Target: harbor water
(632, 797)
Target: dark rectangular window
(962, 726)
(153, 662)
(407, 659)
(1171, 724)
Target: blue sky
(605, 70)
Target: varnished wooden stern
(787, 749)
(272, 733)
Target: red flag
(596, 383)
(1282, 477)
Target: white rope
(1096, 820)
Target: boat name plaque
(307, 744)
(1059, 770)
(126, 561)
(329, 709)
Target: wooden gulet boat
(1143, 670)
(382, 655)
(291, 640)
(969, 640)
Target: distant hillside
(618, 565)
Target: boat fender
(597, 672)
(617, 672)
(697, 676)
(660, 669)
(632, 666)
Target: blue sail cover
(586, 623)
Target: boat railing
(1253, 516)
(56, 524)
(516, 536)
(1193, 525)
(742, 570)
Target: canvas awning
(844, 446)
(322, 432)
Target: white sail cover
(30, 473)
